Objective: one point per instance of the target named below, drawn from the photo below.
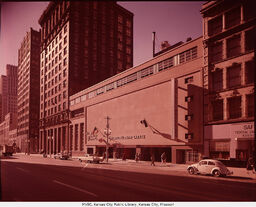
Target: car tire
(191, 171)
(216, 173)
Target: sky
(173, 21)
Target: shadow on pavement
(7, 158)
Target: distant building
(82, 43)
(165, 91)
(8, 91)
(29, 91)
(229, 72)
(8, 129)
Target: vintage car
(209, 166)
(62, 156)
(91, 158)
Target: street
(74, 181)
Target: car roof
(209, 160)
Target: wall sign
(242, 130)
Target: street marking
(23, 170)
(75, 188)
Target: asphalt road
(44, 182)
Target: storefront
(230, 141)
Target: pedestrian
(152, 160)
(250, 165)
(163, 158)
(137, 157)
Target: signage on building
(135, 137)
(242, 130)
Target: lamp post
(50, 150)
(107, 132)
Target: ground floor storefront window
(220, 150)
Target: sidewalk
(171, 167)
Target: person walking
(250, 165)
(163, 158)
(152, 160)
(137, 157)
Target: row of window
(233, 46)
(234, 107)
(170, 62)
(233, 76)
(231, 18)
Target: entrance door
(180, 156)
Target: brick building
(28, 91)
(82, 43)
(166, 91)
(229, 71)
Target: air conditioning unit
(189, 136)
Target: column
(225, 109)
(60, 139)
(243, 105)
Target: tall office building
(82, 43)
(28, 91)
(8, 91)
(229, 71)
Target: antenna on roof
(154, 42)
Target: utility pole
(107, 132)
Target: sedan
(209, 166)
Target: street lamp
(107, 132)
(50, 140)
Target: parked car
(91, 158)
(209, 166)
(62, 156)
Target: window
(233, 46)
(217, 110)
(211, 163)
(109, 86)
(189, 136)
(250, 40)
(64, 105)
(65, 39)
(188, 99)
(71, 137)
(216, 53)
(81, 136)
(250, 105)
(215, 26)
(165, 64)
(147, 71)
(233, 17)
(249, 72)
(234, 107)
(65, 29)
(234, 76)
(217, 80)
(65, 62)
(65, 50)
(76, 137)
(188, 117)
(189, 79)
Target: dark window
(217, 80)
(189, 79)
(216, 52)
(82, 136)
(71, 137)
(250, 40)
(188, 98)
(234, 107)
(233, 17)
(217, 109)
(234, 46)
(234, 76)
(188, 117)
(250, 105)
(249, 72)
(249, 10)
(215, 26)
(211, 163)
(76, 137)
